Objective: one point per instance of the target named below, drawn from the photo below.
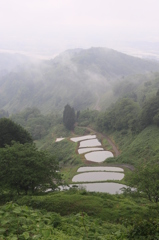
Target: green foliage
(80, 131)
(148, 88)
(65, 152)
(111, 208)
(139, 148)
(146, 179)
(21, 222)
(35, 123)
(137, 110)
(87, 117)
(123, 115)
(150, 112)
(69, 117)
(24, 168)
(11, 131)
(144, 229)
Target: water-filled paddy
(111, 188)
(97, 176)
(59, 139)
(98, 156)
(77, 139)
(84, 150)
(110, 169)
(90, 143)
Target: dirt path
(115, 149)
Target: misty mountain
(11, 62)
(82, 78)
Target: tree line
(23, 167)
(127, 114)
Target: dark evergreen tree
(10, 131)
(69, 117)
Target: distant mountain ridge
(108, 61)
(82, 78)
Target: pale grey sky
(60, 24)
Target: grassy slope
(110, 208)
(143, 147)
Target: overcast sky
(64, 24)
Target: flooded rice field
(98, 156)
(84, 150)
(108, 169)
(97, 176)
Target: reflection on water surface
(97, 176)
(77, 139)
(111, 188)
(84, 150)
(90, 143)
(98, 156)
(110, 169)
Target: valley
(105, 164)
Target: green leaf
(17, 210)
(25, 226)
(14, 238)
(2, 230)
(3, 222)
(1, 212)
(26, 235)
(46, 233)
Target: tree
(121, 116)
(150, 112)
(3, 113)
(69, 117)
(24, 168)
(146, 180)
(10, 131)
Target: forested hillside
(82, 78)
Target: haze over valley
(83, 78)
(79, 119)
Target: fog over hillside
(82, 78)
